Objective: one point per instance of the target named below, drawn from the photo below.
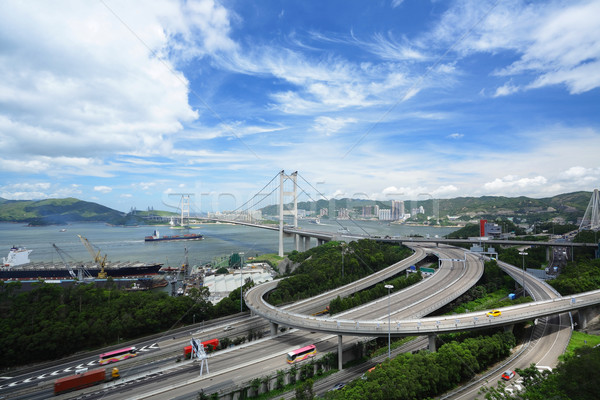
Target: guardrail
(455, 323)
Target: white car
(228, 328)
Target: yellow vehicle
(494, 313)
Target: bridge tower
(591, 218)
(294, 211)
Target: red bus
(301, 354)
(209, 345)
(117, 355)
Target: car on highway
(508, 375)
(493, 313)
(338, 386)
(364, 376)
(228, 328)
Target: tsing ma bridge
(303, 238)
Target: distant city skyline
(125, 105)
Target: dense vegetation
(51, 322)
(62, 211)
(575, 378)
(568, 206)
(425, 374)
(472, 230)
(579, 276)
(321, 268)
(535, 258)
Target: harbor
(202, 257)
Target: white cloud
(506, 90)
(102, 189)
(575, 172)
(445, 191)
(328, 125)
(564, 47)
(91, 86)
(456, 136)
(581, 176)
(510, 182)
(555, 42)
(37, 191)
(144, 185)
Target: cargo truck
(84, 380)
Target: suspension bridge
(279, 197)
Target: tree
(304, 391)
(222, 271)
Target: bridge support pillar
(431, 343)
(340, 352)
(547, 253)
(274, 328)
(320, 242)
(306, 243)
(582, 317)
(508, 328)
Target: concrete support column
(306, 243)
(320, 242)
(297, 242)
(547, 253)
(508, 328)
(274, 328)
(583, 319)
(431, 343)
(340, 352)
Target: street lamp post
(389, 287)
(523, 253)
(241, 283)
(342, 260)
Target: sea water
(127, 243)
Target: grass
(292, 386)
(580, 339)
(491, 300)
(271, 258)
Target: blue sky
(124, 102)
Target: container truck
(84, 380)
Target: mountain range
(566, 207)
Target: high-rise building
(385, 215)
(397, 211)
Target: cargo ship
(17, 266)
(156, 237)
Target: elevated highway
(408, 327)
(264, 357)
(322, 237)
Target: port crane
(82, 273)
(95, 256)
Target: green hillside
(62, 211)
(567, 206)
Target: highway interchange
(156, 373)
